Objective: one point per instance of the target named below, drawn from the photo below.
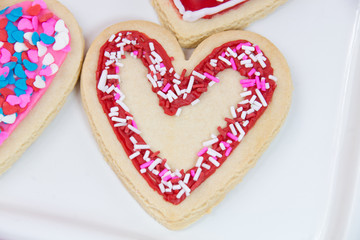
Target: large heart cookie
(181, 133)
(41, 50)
(194, 20)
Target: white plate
(61, 188)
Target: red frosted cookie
(41, 51)
(194, 20)
(182, 133)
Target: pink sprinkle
(4, 71)
(3, 136)
(192, 173)
(5, 56)
(163, 172)
(13, 100)
(117, 69)
(25, 24)
(202, 151)
(145, 165)
(49, 28)
(233, 64)
(245, 57)
(117, 96)
(263, 87)
(211, 77)
(251, 72)
(257, 80)
(238, 47)
(134, 124)
(167, 178)
(39, 2)
(25, 99)
(33, 55)
(166, 88)
(223, 54)
(30, 74)
(230, 135)
(226, 144)
(247, 83)
(228, 151)
(162, 65)
(35, 22)
(46, 71)
(135, 53)
(29, 91)
(257, 49)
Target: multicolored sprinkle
(33, 45)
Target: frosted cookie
(41, 51)
(182, 133)
(194, 20)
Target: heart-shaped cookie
(194, 20)
(41, 50)
(211, 116)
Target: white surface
(61, 188)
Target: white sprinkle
(211, 83)
(102, 81)
(127, 41)
(134, 155)
(176, 81)
(233, 130)
(243, 115)
(169, 97)
(154, 164)
(176, 187)
(177, 89)
(213, 153)
(199, 161)
(232, 111)
(239, 109)
(241, 131)
(185, 95)
(231, 52)
(152, 68)
(112, 37)
(178, 112)
(252, 99)
(210, 142)
(135, 130)
(195, 102)
(184, 186)
(261, 97)
(250, 111)
(161, 186)
(143, 170)
(133, 140)
(117, 119)
(168, 190)
(257, 73)
(172, 94)
(146, 155)
(156, 172)
(273, 78)
(245, 94)
(113, 114)
(249, 65)
(241, 56)
(186, 178)
(156, 56)
(199, 75)
(171, 70)
(141, 146)
(244, 101)
(247, 48)
(252, 56)
(119, 124)
(110, 89)
(207, 166)
(267, 85)
(190, 85)
(177, 173)
(151, 45)
(222, 146)
(180, 193)
(163, 95)
(225, 60)
(114, 109)
(197, 174)
(123, 105)
(246, 123)
(113, 76)
(213, 161)
(247, 61)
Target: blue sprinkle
(10, 27)
(21, 84)
(10, 65)
(47, 39)
(2, 78)
(1, 111)
(19, 71)
(4, 10)
(18, 36)
(19, 91)
(29, 65)
(3, 84)
(35, 38)
(43, 66)
(17, 12)
(10, 78)
(18, 56)
(43, 78)
(11, 39)
(11, 17)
